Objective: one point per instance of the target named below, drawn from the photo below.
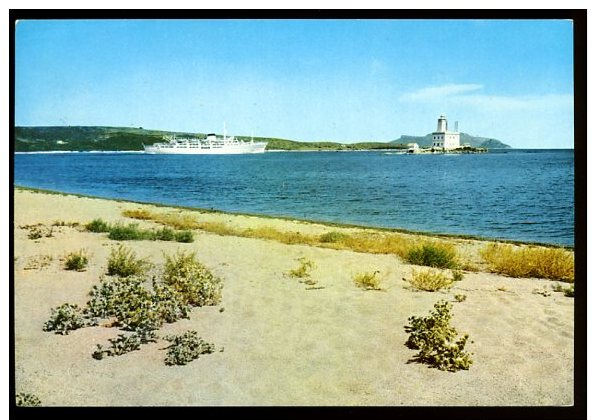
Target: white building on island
(443, 138)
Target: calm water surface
(515, 194)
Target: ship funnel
(456, 125)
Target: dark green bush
(124, 344)
(185, 348)
(433, 255)
(437, 341)
(97, 226)
(130, 232)
(185, 236)
(65, 318)
(164, 234)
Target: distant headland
(99, 138)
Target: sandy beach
(278, 341)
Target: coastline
(285, 344)
(301, 220)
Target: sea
(508, 194)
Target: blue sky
(309, 80)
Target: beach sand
(283, 343)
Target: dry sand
(282, 344)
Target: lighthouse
(443, 138)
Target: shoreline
(300, 220)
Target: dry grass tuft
(430, 280)
(547, 263)
(141, 214)
(368, 281)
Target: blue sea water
(525, 195)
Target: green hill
(79, 138)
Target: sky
(308, 80)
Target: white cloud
(439, 92)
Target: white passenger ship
(212, 145)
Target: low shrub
(76, 261)
(192, 280)
(458, 275)
(126, 300)
(548, 263)
(65, 318)
(368, 281)
(437, 341)
(97, 226)
(185, 236)
(460, 298)
(124, 344)
(170, 303)
(186, 347)
(130, 232)
(27, 400)
(439, 255)
(164, 234)
(219, 229)
(430, 280)
(333, 237)
(123, 262)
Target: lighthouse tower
(443, 138)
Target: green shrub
(437, 341)
(27, 400)
(76, 261)
(333, 237)
(192, 280)
(433, 255)
(65, 318)
(303, 269)
(367, 281)
(185, 236)
(127, 300)
(130, 232)
(123, 262)
(97, 226)
(170, 303)
(124, 344)
(163, 234)
(430, 280)
(185, 348)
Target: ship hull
(226, 150)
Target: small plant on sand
(333, 237)
(430, 280)
(186, 347)
(457, 275)
(368, 281)
(27, 400)
(303, 271)
(195, 283)
(163, 234)
(125, 343)
(437, 341)
(567, 291)
(97, 226)
(547, 263)
(65, 318)
(76, 261)
(170, 303)
(439, 255)
(123, 262)
(460, 298)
